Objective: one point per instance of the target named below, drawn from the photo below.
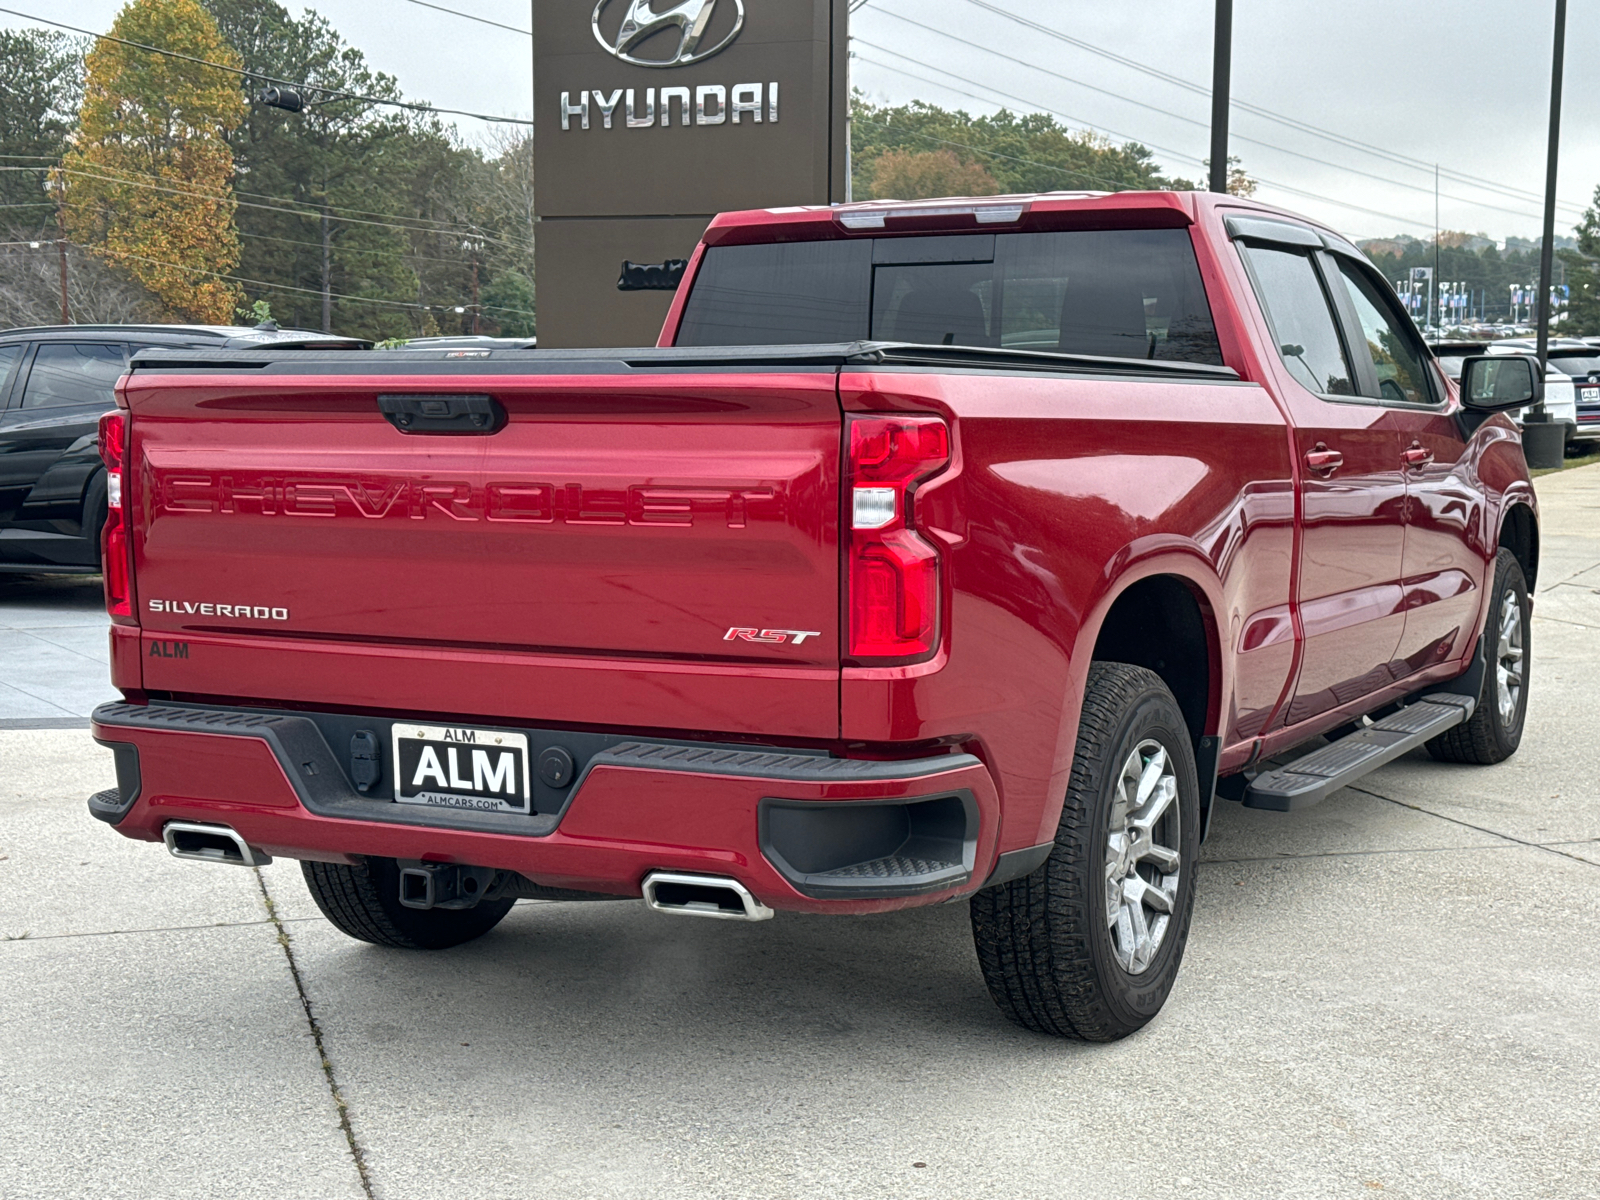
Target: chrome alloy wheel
(1509, 666)
(1142, 859)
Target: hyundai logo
(641, 22)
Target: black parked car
(55, 381)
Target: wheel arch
(1519, 533)
(1163, 617)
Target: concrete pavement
(53, 651)
(1397, 991)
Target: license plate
(450, 767)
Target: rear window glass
(67, 374)
(1133, 293)
(1575, 364)
(788, 294)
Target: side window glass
(9, 355)
(1302, 322)
(1396, 356)
(1126, 293)
(65, 374)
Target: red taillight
(893, 573)
(114, 537)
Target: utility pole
(1221, 68)
(327, 276)
(61, 249)
(475, 308)
(1434, 320)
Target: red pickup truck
(955, 549)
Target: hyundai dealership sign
(652, 117)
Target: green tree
(1240, 182)
(41, 86)
(386, 213)
(1490, 273)
(1031, 152)
(320, 216)
(1583, 275)
(147, 183)
(508, 302)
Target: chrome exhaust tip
(703, 896)
(210, 843)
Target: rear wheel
(363, 901)
(1088, 946)
(1494, 731)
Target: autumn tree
(924, 174)
(148, 181)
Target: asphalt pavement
(1396, 992)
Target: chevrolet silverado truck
(966, 549)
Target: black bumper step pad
(1324, 771)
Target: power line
(455, 12)
(423, 224)
(287, 287)
(1258, 110)
(1091, 126)
(330, 93)
(1190, 120)
(294, 212)
(1114, 133)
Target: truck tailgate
(621, 523)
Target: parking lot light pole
(1547, 248)
(1221, 67)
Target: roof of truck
(1024, 212)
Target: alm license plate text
(481, 769)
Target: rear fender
(1145, 558)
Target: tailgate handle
(443, 414)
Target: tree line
(182, 197)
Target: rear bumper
(801, 830)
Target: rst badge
(449, 767)
(769, 637)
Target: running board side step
(1324, 771)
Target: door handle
(1417, 456)
(1324, 461)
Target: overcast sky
(1465, 85)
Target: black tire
(1489, 736)
(93, 518)
(364, 902)
(1043, 941)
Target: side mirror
(1495, 382)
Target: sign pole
(1221, 69)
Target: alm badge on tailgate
(449, 767)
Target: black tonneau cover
(669, 359)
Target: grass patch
(1588, 460)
